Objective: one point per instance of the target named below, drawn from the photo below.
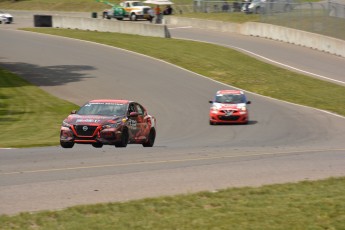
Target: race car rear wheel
(97, 145)
(151, 139)
(66, 145)
(124, 140)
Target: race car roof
(228, 91)
(119, 101)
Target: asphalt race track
(282, 143)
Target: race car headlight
(111, 125)
(65, 124)
(214, 110)
(242, 110)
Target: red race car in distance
(109, 122)
(229, 107)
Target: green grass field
(306, 205)
(28, 113)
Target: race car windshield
(230, 98)
(104, 109)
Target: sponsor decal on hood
(229, 106)
(91, 119)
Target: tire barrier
(43, 21)
(94, 15)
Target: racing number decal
(132, 123)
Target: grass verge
(304, 205)
(53, 5)
(28, 115)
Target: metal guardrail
(210, 6)
(336, 10)
(326, 18)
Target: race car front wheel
(213, 123)
(124, 139)
(66, 145)
(97, 145)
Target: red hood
(224, 106)
(76, 119)
(228, 106)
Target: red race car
(229, 107)
(108, 122)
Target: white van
(5, 18)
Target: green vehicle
(116, 11)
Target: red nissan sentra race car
(109, 122)
(229, 107)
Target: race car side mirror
(74, 111)
(133, 114)
(248, 102)
(210, 102)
